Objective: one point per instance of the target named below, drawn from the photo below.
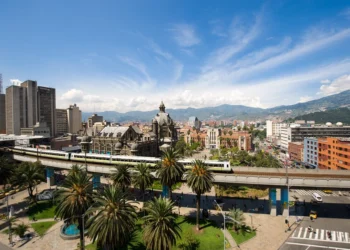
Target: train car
(216, 166)
(93, 158)
(55, 154)
(114, 159)
(134, 160)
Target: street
(333, 218)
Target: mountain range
(238, 112)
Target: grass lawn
(42, 210)
(158, 186)
(5, 231)
(41, 227)
(241, 237)
(210, 237)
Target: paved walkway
(270, 230)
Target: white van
(317, 197)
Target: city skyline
(254, 53)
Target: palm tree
(75, 197)
(200, 179)
(171, 171)
(143, 178)
(29, 174)
(238, 216)
(160, 230)
(20, 229)
(121, 176)
(113, 218)
(75, 169)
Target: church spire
(162, 107)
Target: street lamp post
(251, 220)
(8, 216)
(223, 215)
(287, 180)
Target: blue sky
(130, 55)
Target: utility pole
(9, 219)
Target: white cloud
(156, 49)
(73, 95)
(16, 82)
(305, 99)
(346, 13)
(240, 37)
(217, 28)
(185, 35)
(336, 86)
(135, 64)
(178, 71)
(325, 81)
(260, 55)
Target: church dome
(118, 145)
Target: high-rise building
(16, 115)
(94, 118)
(74, 119)
(47, 107)
(311, 152)
(296, 132)
(61, 122)
(31, 102)
(2, 114)
(334, 153)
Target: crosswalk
(320, 235)
(310, 192)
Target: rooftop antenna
(0, 83)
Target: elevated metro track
(247, 176)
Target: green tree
(181, 146)
(239, 128)
(20, 229)
(160, 230)
(29, 174)
(75, 169)
(230, 132)
(238, 216)
(121, 176)
(142, 178)
(170, 171)
(6, 170)
(200, 180)
(112, 218)
(75, 197)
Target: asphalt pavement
(333, 219)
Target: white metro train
(217, 166)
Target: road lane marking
(316, 234)
(316, 246)
(346, 237)
(301, 229)
(305, 232)
(322, 232)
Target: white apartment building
(273, 129)
(212, 140)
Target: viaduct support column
(96, 181)
(284, 201)
(272, 201)
(50, 177)
(165, 192)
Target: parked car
(328, 191)
(316, 197)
